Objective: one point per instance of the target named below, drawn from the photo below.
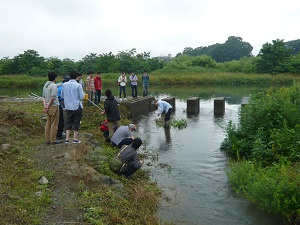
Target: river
(190, 167)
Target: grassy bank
(22, 128)
(206, 77)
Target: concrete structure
(139, 106)
(219, 105)
(193, 105)
(245, 101)
(171, 101)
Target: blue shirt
(73, 94)
(163, 106)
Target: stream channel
(190, 167)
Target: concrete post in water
(193, 105)
(171, 101)
(245, 101)
(219, 105)
(139, 106)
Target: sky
(75, 28)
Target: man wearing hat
(123, 135)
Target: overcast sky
(75, 28)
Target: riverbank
(189, 78)
(81, 187)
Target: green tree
(294, 46)
(6, 66)
(273, 58)
(23, 63)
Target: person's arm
(47, 106)
(136, 162)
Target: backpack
(115, 163)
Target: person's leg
(129, 170)
(167, 118)
(60, 123)
(47, 129)
(132, 90)
(146, 88)
(76, 123)
(135, 89)
(125, 141)
(124, 91)
(54, 125)
(90, 96)
(99, 99)
(69, 123)
(117, 124)
(110, 129)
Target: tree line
(232, 56)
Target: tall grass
(172, 77)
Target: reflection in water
(168, 135)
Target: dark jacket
(130, 156)
(111, 109)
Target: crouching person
(126, 161)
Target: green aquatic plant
(177, 123)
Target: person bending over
(123, 135)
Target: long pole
(95, 104)
(36, 95)
(32, 96)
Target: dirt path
(70, 164)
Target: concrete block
(193, 105)
(219, 105)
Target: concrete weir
(139, 106)
(143, 105)
(193, 105)
(219, 105)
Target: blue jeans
(134, 90)
(145, 89)
(97, 96)
(122, 89)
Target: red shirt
(98, 83)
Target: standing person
(122, 81)
(79, 80)
(145, 81)
(61, 122)
(98, 87)
(73, 94)
(164, 107)
(133, 82)
(51, 108)
(129, 158)
(111, 109)
(90, 87)
(123, 135)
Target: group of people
(122, 80)
(68, 105)
(63, 107)
(94, 87)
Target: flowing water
(191, 169)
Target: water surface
(191, 169)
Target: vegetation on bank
(264, 148)
(22, 127)
(161, 77)
(234, 56)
